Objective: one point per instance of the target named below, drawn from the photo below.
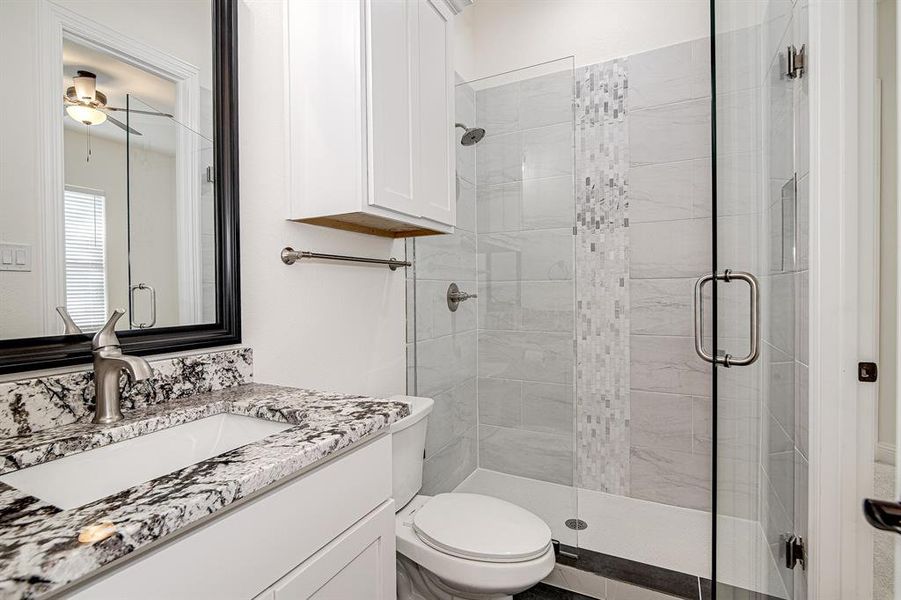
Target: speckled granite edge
(39, 549)
(39, 403)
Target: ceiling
(116, 79)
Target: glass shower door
(757, 338)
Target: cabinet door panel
(393, 131)
(436, 165)
(360, 563)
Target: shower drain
(577, 524)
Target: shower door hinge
(797, 62)
(795, 551)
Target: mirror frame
(47, 352)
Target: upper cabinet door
(434, 162)
(393, 82)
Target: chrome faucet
(109, 362)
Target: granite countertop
(39, 547)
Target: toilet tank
(408, 446)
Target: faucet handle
(107, 335)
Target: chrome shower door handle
(727, 360)
(131, 292)
(699, 318)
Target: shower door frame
(843, 295)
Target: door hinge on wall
(797, 61)
(795, 551)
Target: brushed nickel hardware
(109, 362)
(290, 256)
(455, 297)
(797, 61)
(68, 322)
(727, 360)
(795, 551)
(131, 298)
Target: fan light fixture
(86, 114)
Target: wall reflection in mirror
(107, 181)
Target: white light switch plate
(15, 257)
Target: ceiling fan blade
(139, 112)
(122, 125)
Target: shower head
(471, 135)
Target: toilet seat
(467, 575)
(482, 528)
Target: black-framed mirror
(124, 188)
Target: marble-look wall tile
(454, 412)
(547, 306)
(547, 407)
(526, 355)
(667, 75)
(542, 456)
(499, 159)
(669, 365)
(660, 421)
(548, 203)
(497, 109)
(602, 281)
(670, 133)
(500, 305)
(662, 306)
(500, 402)
(671, 477)
(670, 249)
(739, 51)
(433, 318)
(499, 207)
(670, 191)
(447, 257)
(465, 112)
(546, 100)
(540, 255)
(446, 469)
(737, 487)
(444, 362)
(547, 151)
(466, 205)
(738, 428)
(31, 405)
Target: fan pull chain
(88, 141)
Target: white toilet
(459, 546)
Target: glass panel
(760, 216)
(501, 366)
(171, 206)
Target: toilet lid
(481, 528)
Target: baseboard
(885, 453)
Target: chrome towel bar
(290, 256)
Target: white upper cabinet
(370, 115)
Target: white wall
(320, 325)
(500, 35)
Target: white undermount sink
(81, 478)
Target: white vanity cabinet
(371, 115)
(327, 534)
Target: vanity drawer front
(241, 553)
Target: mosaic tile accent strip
(31, 405)
(602, 277)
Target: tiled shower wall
(668, 113)
(524, 220)
(441, 345)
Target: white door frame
(842, 296)
(59, 23)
